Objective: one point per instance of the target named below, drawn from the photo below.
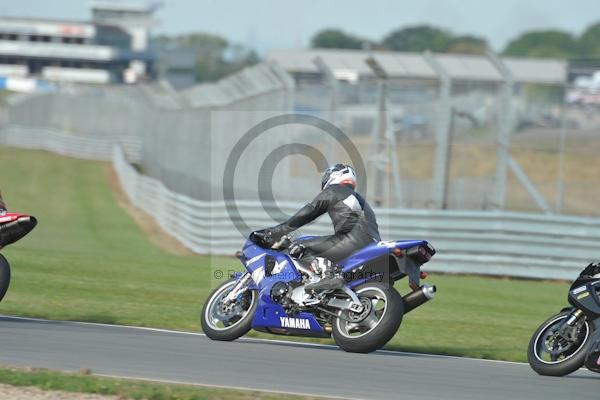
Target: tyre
(4, 276)
(371, 329)
(592, 360)
(552, 354)
(220, 322)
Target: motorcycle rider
(354, 223)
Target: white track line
(168, 381)
(260, 340)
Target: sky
(286, 24)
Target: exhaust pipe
(418, 297)
(12, 231)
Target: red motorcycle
(12, 228)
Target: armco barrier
(68, 144)
(495, 243)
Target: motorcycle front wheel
(228, 322)
(378, 322)
(4, 276)
(550, 353)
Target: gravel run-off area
(33, 393)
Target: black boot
(329, 282)
(324, 284)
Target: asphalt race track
(274, 365)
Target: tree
(215, 56)
(198, 40)
(468, 44)
(589, 42)
(548, 43)
(335, 39)
(418, 38)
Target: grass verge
(128, 389)
(89, 261)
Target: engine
(290, 296)
(280, 293)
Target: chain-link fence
(185, 136)
(556, 142)
(463, 133)
(414, 115)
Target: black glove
(263, 238)
(591, 270)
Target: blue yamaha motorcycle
(362, 316)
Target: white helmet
(338, 174)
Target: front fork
(240, 287)
(567, 330)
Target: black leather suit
(353, 220)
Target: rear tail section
(13, 227)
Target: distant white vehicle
(586, 90)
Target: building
(111, 48)
(177, 65)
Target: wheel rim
(220, 317)
(375, 302)
(550, 348)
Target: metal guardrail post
(383, 149)
(440, 181)
(560, 178)
(333, 85)
(506, 126)
(289, 85)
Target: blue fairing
(271, 316)
(376, 250)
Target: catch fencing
(182, 144)
(184, 136)
(494, 243)
(461, 132)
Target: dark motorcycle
(12, 228)
(570, 339)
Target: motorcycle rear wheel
(4, 276)
(382, 317)
(568, 356)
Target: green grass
(130, 389)
(89, 261)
